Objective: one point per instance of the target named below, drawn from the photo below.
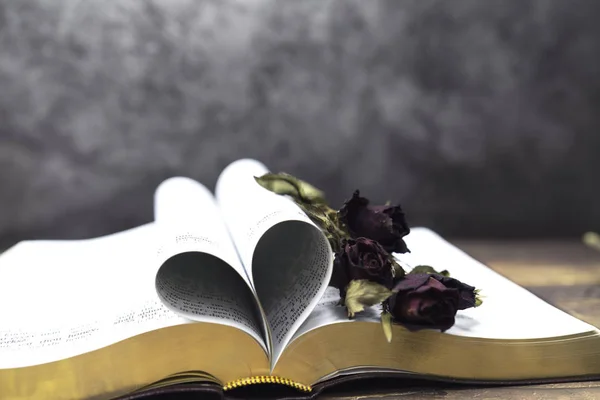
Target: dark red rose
(361, 258)
(384, 224)
(429, 301)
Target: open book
(232, 290)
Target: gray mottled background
(481, 117)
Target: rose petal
(411, 281)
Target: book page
(508, 311)
(249, 210)
(201, 287)
(190, 220)
(63, 298)
(286, 256)
(200, 275)
(329, 311)
(59, 299)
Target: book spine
(266, 379)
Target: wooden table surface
(564, 273)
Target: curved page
(59, 299)
(286, 256)
(200, 275)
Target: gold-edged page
(200, 276)
(511, 327)
(226, 353)
(63, 299)
(341, 347)
(181, 378)
(286, 256)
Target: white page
(328, 311)
(508, 311)
(287, 257)
(59, 299)
(190, 220)
(200, 275)
(250, 210)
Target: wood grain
(564, 273)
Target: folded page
(287, 258)
(200, 275)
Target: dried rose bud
(429, 301)
(384, 224)
(361, 258)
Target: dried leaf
(478, 298)
(398, 270)
(333, 241)
(315, 213)
(277, 185)
(386, 324)
(426, 269)
(592, 239)
(285, 184)
(326, 219)
(364, 293)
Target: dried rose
(429, 301)
(361, 258)
(385, 224)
